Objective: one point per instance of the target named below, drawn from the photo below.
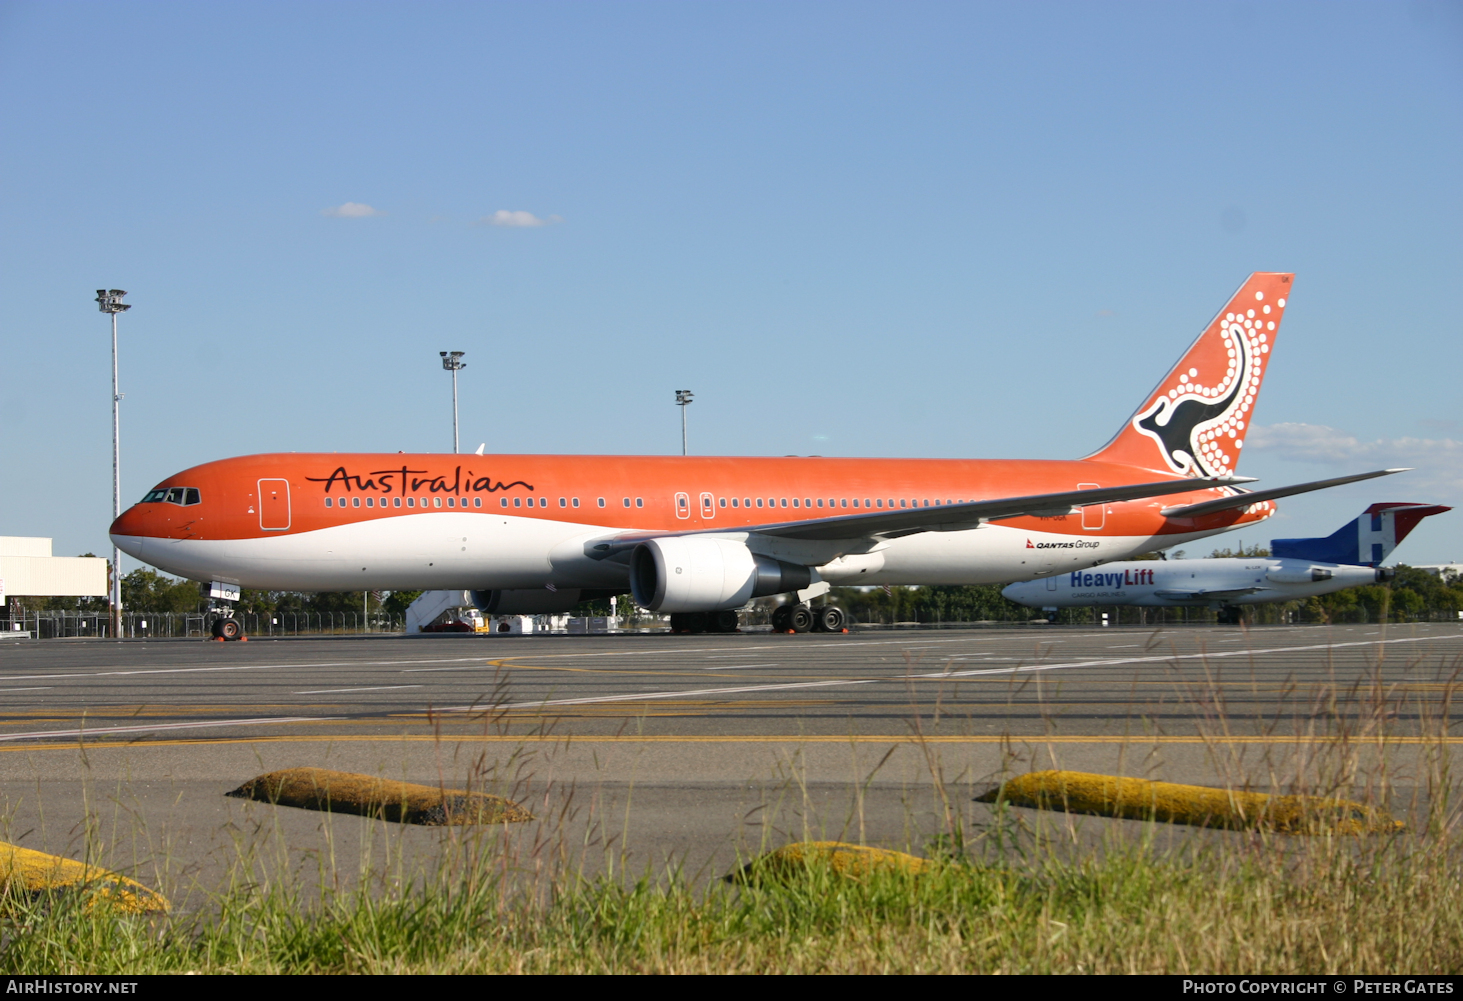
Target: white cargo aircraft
(1295, 568)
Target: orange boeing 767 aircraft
(699, 537)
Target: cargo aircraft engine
(703, 574)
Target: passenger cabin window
(329, 502)
(639, 502)
(396, 502)
(477, 502)
(355, 502)
(601, 502)
(576, 501)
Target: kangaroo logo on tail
(1198, 434)
(1195, 421)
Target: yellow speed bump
(36, 872)
(844, 859)
(1202, 806)
(370, 796)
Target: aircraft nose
(130, 522)
(129, 530)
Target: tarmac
(638, 751)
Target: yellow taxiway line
(979, 739)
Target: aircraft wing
(1195, 594)
(941, 518)
(959, 517)
(1246, 499)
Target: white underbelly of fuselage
(443, 550)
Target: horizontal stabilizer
(1254, 497)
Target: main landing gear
(704, 622)
(802, 619)
(797, 618)
(1231, 615)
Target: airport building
(27, 569)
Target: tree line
(1414, 595)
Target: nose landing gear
(228, 629)
(221, 598)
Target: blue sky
(911, 229)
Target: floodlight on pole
(683, 400)
(452, 362)
(110, 301)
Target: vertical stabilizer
(1364, 541)
(1195, 421)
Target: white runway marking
(238, 667)
(42, 688)
(735, 667)
(376, 688)
(162, 726)
(937, 676)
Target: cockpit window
(182, 496)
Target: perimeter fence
(56, 624)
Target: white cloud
(504, 217)
(351, 210)
(1438, 461)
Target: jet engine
(1301, 575)
(702, 574)
(534, 601)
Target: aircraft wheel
(779, 618)
(830, 619)
(216, 630)
(1231, 615)
(721, 622)
(228, 629)
(688, 622)
(800, 618)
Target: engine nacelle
(534, 601)
(1299, 575)
(700, 574)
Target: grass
(1239, 903)
(1015, 891)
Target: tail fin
(1365, 541)
(1194, 422)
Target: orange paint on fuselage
(801, 488)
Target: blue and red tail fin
(1194, 421)
(1364, 541)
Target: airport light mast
(683, 399)
(110, 301)
(452, 362)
